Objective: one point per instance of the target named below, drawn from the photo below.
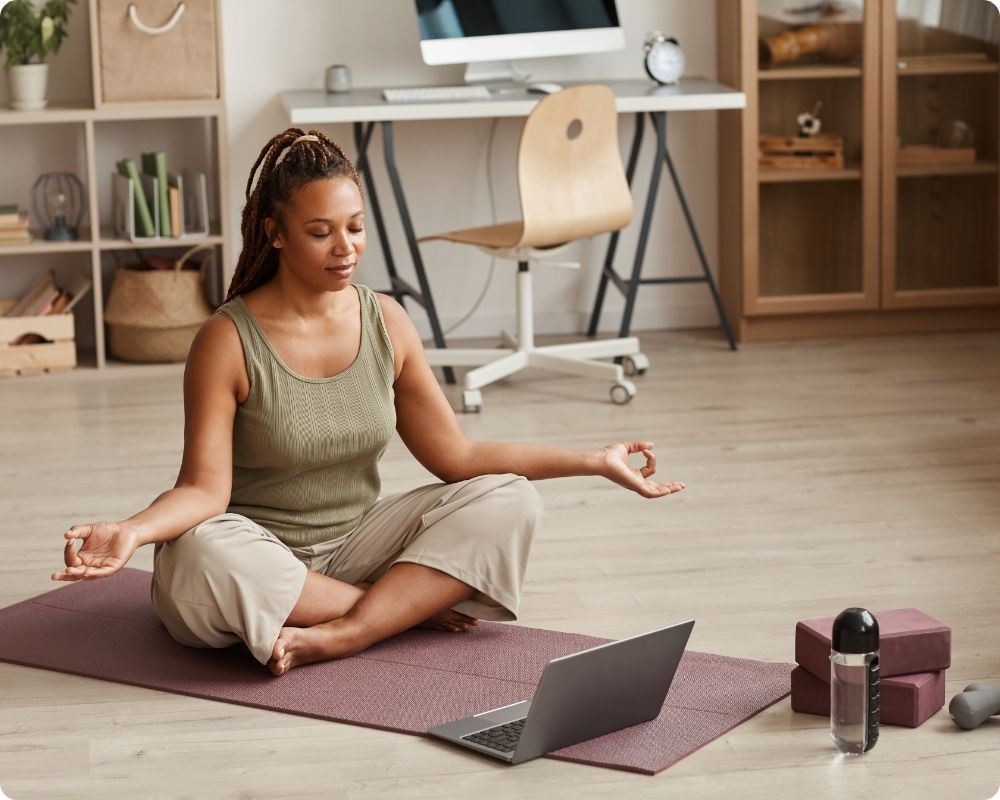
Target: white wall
(270, 47)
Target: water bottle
(854, 686)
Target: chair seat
(505, 237)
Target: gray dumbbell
(975, 704)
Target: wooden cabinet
(904, 235)
(82, 134)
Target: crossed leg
(333, 619)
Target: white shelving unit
(87, 136)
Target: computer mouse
(542, 88)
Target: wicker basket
(154, 315)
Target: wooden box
(56, 354)
(825, 151)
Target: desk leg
(661, 143)
(631, 287)
(424, 298)
(362, 138)
(608, 270)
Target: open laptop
(580, 696)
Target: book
(21, 236)
(174, 204)
(12, 215)
(17, 221)
(123, 205)
(76, 292)
(143, 219)
(45, 304)
(37, 293)
(194, 203)
(155, 164)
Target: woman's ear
(273, 233)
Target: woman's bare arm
(430, 430)
(214, 380)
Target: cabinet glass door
(941, 242)
(818, 192)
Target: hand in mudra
(104, 549)
(638, 479)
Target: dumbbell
(975, 704)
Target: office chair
(572, 186)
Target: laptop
(580, 696)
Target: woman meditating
(275, 534)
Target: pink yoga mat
(106, 629)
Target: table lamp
(57, 200)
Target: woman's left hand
(615, 467)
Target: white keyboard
(432, 94)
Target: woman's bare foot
(298, 646)
(449, 620)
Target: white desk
(315, 107)
(363, 108)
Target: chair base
(494, 364)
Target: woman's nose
(342, 244)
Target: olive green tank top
(306, 450)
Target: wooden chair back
(569, 170)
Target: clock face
(665, 62)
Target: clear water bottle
(854, 684)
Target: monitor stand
(494, 71)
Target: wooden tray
(825, 151)
(919, 154)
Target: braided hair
(289, 161)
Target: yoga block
(909, 642)
(907, 700)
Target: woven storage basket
(153, 315)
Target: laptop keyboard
(501, 737)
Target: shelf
(816, 71)
(40, 246)
(109, 241)
(82, 111)
(937, 170)
(851, 173)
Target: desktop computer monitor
(488, 34)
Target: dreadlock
(307, 157)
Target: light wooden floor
(821, 475)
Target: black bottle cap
(855, 630)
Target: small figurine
(809, 121)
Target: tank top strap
(255, 351)
(375, 335)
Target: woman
(274, 533)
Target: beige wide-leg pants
(229, 580)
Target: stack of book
(152, 203)
(914, 652)
(45, 297)
(13, 226)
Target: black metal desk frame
(630, 287)
(402, 289)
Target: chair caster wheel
(635, 365)
(622, 393)
(472, 401)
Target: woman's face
(323, 234)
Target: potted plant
(28, 36)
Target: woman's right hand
(105, 548)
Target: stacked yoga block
(914, 652)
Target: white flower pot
(26, 83)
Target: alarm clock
(664, 59)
